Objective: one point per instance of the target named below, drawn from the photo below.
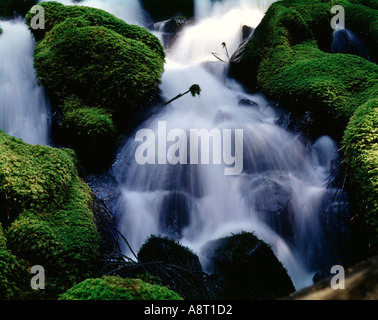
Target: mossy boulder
(45, 210)
(117, 288)
(175, 265)
(289, 59)
(9, 7)
(249, 266)
(163, 249)
(12, 269)
(361, 153)
(88, 59)
(165, 9)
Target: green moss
(14, 277)
(117, 288)
(361, 151)
(56, 13)
(163, 249)
(46, 208)
(32, 177)
(98, 65)
(287, 57)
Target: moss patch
(46, 215)
(117, 288)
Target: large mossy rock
(289, 58)
(166, 9)
(45, 211)
(117, 288)
(361, 152)
(97, 71)
(8, 8)
(249, 266)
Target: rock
(361, 283)
(269, 195)
(247, 102)
(249, 266)
(175, 214)
(247, 32)
(162, 249)
(170, 28)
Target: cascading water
(23, 105)
(280, 195)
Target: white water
(23, 104)
(203, 203)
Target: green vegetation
(9, 7)
(12, 270)
(88, 59)
(361, 152)
(194, 90)
(289, 59)
(46, 216)
(117, 288)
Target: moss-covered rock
(163, 249)
(249, 266)
(288, 59)
(14, 277)
(117, 288)
(9, 7)
(165, 9)
(361, 151)
(45, 209)
(112, 68)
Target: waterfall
(281, 194)
(23, 105)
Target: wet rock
(162, 249)
(249, 267)
(175, 214)
(361, 283)
(269, 196)
(170, 28)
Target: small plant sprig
(195, 90)
(216, 55)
